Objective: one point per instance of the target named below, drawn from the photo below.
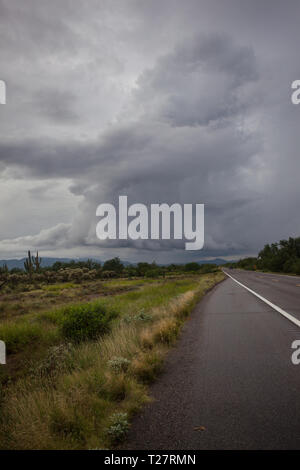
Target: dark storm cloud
(56, 105)
(164, 102)
(152, 159)
(200, 82)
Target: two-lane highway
(281, 290)
(230, 382)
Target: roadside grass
(83, 395)
(19, 326)
(43, 329)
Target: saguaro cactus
(32, 263)
(28, 265)
(37, 262)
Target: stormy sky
(159, 100)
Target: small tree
(193, 266)
(113, 265)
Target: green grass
(28, 299)
(20, 334)
(150, 296)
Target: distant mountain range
(217, 261)
(19, 263)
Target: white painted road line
(278, 309)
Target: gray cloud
(200, 82)
(120, 98)
(56, 105)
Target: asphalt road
(229, 383)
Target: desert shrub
(118, 364)
(109, 274)
(15, 278)
(118, 427)
(143, 316)
(49, 276)
(127, 319)
(86, 322)
(59, 358)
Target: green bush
(143, 316)
(119, 364)
(58, 359)
(86, 322)
(118, 428)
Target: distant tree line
(283, 256)
(78, 271)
